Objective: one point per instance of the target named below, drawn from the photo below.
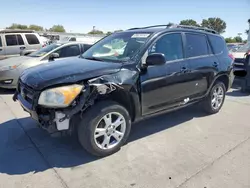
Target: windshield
(117, 47)
(43, 51)
(244, 48)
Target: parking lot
(181, 149)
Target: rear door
(32, 41)
(202, 63)
(14, 44)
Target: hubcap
(217, 98)
(110, 130)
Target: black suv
(124, 77)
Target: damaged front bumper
(52, 120)
(48, 121)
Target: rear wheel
(215, 99)
(104, 128)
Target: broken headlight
(59, 97)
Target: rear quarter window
(218, 44)
(32, 39)
(1, 41)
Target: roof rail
(196, 27)
(152, 26)
(16, 31)
(179, 26)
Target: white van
(85, 39)
(13, 42)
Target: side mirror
(156, 59)
(53, 56)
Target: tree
(57, 28)
(17, 26)
(189, 22)
(119, 30)
(238, 39)
(216, 24)
(36, 27)
(230, 40)
(109, 33)
(95, 32)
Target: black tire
(207, 103)
(86, 128)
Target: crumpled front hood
(66, 71)
(17, 60)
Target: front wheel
(104, 128)
(215, 99)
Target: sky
(81, 16)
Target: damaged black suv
(125, 77)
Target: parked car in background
(240, 55)
(11, 68)
(160, 69)
(13, 42)
(85, 39)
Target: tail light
(231, 56)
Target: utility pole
(248, 38)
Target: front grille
(239, 60)
(26, 92)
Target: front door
(162, 86)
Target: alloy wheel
(217, 97)
(110, 130)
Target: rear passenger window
(32, 39)
(20, 40)
(11, 40)
(196, 45)
(218, 44)
(170, 45)
(0, 41)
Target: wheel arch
(224, 78)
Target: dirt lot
(181, 149)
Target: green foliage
(109, 33)
(17, 26)
(189, 22)
(216, 24)
(36, 27)
(119, 30)
(230, 40)
(238, 39)
(57, 28)
(95, 32)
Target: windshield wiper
(93, 58)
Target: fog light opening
(7, 81)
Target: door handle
(215, 64)
(184, 69)
(22, 48)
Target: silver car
(11, 68)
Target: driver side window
(69, 51)
(170, 45)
